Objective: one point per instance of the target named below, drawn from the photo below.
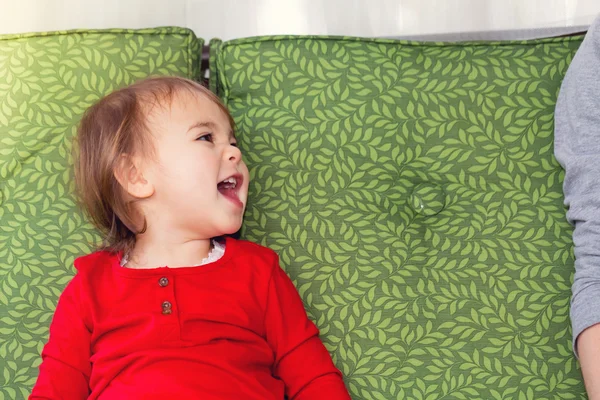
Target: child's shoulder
(248, 246)
(96, 263)
(253, 251)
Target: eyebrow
(210, 125)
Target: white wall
(229, 19)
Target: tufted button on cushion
(428, 199)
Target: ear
(128, 173)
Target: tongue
(223, 186)
(227, 189)
(229, 192)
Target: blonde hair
(114, 126)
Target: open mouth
(229, 188)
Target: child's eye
(208, 137)
(234, 144)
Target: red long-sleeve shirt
(232, 329)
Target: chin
(232, 229)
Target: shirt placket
(168, 308)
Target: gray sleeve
(577, 149)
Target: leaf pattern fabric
(46, 82)
(412, 194)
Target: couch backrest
(412, 194)
(46, 82)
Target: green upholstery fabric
(412, 194)
(46, 82)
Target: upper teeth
(231, 180)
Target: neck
(154, 249)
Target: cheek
(188, 168)
(245, 171)
(183, 172)
(246, 174)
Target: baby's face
(199, 177)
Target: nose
(233, 153)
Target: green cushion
(412, 193)
(46, 82)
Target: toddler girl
(171, 308)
